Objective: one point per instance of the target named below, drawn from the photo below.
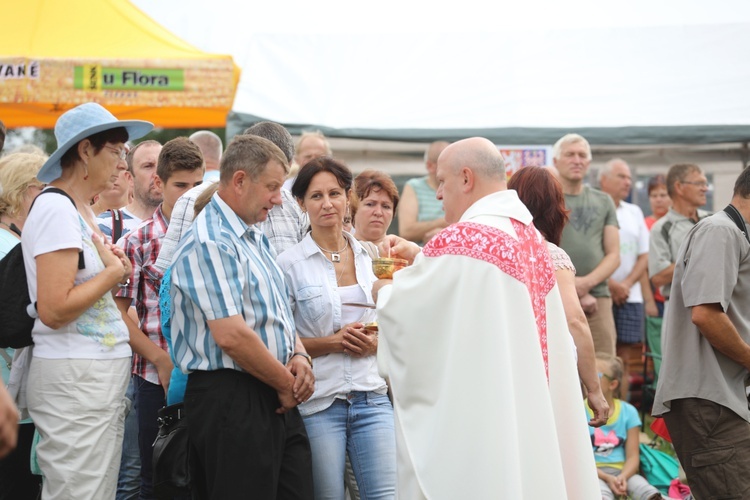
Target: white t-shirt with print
(99, 333)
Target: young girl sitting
(616, 443)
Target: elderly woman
(374, 205)
(81, 358)
(18, 188)
(542, 194)
(328, 272)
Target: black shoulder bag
(15, 322)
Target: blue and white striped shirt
(222, 268)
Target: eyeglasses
(605, 376)
(121, 153)
(702, 184)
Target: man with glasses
(706, 343)
(686, 186)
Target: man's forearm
(604, 270)
(637, 272)
(717, 328)
(663, 277)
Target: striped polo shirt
(429, 207)
(222, 268)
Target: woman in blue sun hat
(80, 364)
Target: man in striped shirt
(233, 332)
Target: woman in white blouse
(349, 413)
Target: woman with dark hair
(80, 364)
(374, 205)
(542, 194)
(328, 273)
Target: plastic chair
(651, 362)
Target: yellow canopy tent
(57, 54)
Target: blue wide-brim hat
(79, 123)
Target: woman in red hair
(542, 194)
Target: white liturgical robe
(485, 387)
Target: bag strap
(53, 189)
(117, 224)
(737, 218)
(7, 358)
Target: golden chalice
(384, 267)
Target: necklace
(335, 254)
(343, 267)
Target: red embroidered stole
(526, 260)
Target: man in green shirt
(590, 238)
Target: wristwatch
(304, 355)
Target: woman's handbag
(171, 453)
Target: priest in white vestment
(475, 342)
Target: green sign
(95, 77)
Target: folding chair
(651, 363)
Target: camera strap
(737, 218)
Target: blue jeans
(129, 480)
(149, 400)
(362, 427)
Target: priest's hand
(377, 286)
(396, 247)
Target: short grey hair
(275, 133)
(606, 170)
(569, 139)
(251, 154)
(209, 143)
(317, 134)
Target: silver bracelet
(123, 285)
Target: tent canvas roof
(526, 72)
(110, 35)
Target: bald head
(210, 146)
(467, 171)
(478, 154)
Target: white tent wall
(663, 77)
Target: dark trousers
(240, 448)
(16, 480)
(149, 398)
(713, 445)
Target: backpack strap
(117, 224)
(7, 358)
(737, 218)
(81, 261)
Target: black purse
(171, 459)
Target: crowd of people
(238, 282)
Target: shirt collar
(503, 203)
(160, 218)
(237, 225)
